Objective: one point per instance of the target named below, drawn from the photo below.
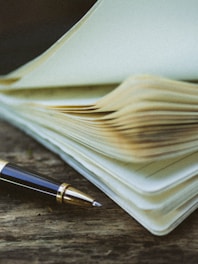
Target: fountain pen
(61, 192)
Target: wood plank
(33, 230)
(36, 231)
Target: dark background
(34, 231)
(27, 28)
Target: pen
(61, 192)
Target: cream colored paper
(118, 38)
(136, 141)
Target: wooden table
(37, 231)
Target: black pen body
(63, 193)
(20, 177)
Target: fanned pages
(134, 137)
(144, 119)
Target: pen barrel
(18, 176)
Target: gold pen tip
(97, 204)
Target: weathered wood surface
(37, 231)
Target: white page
(120, 38)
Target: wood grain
(37, 231)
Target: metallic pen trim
(68, 194)
(62, 192)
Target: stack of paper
(137, 140)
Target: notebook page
(110, 45)
(160, 225)
(61, 96)
(21, 71)
(146, 178)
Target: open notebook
(134, 137)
